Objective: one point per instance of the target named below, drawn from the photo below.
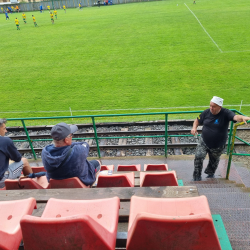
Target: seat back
(171, 223)
(73, 182)
(38, 169)
(26, 183)
(73, 224)
(117, 180)
(158, 179)
(107, 167)
(10, 216)
(173, 232)
(155, 167)
(72, 232)
(136, 167)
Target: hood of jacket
(54, 156)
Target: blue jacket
(7, 151)
(76, 165)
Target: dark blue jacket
(7, 151)
(76, 165)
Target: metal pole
(28, 137)
(166, 135)
(230, 137)
(96, 138)
(232, 148)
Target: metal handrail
(96, 138)
(232, 147)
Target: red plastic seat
(148, 179)
(116, 180)
(73, 182)
(107, 167)
(27, 183)
(171, 223)
(11, 213)
(38, 169)
(136, 167)
(155, 167)
(73, 224)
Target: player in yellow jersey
(80, 6)
(17, 24)
(64, 7)
(2, 9)
(55, 13)
(48, 7)
(34, 20)
(52, 18)
(24, 17)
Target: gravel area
(134, 141)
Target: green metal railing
(231, 137)
(232, 147)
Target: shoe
(197, 178)
(210, 176)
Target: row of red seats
(154, 223)
(147, 179)
(136, 167)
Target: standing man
(41, 9)
(6, 15)
(34, 20)
(51, 17)
(17, 24)
(215, 121)
(64, 7)
(24, 17)
(55, 13)
(9, 152)
(65, 159)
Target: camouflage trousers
(214, 157)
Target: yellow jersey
(51, 15)
(16, 21)
(34, 19)
(64, 7)
(55, 12)
(24, 16)
(79, 5)
(48, 7)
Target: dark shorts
(96, 165)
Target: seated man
(65, 159)
(9, 152)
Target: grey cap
(62, 130)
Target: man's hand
(241, 118)
(245, 119)
(194, 131)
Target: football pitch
(130, 58)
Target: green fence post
(30, 142)
(230, 137)
(96, 138)
(166, 135)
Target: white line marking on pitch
(204, 29)
(55, 111)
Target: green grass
(130, 56)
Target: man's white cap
(217, 100)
